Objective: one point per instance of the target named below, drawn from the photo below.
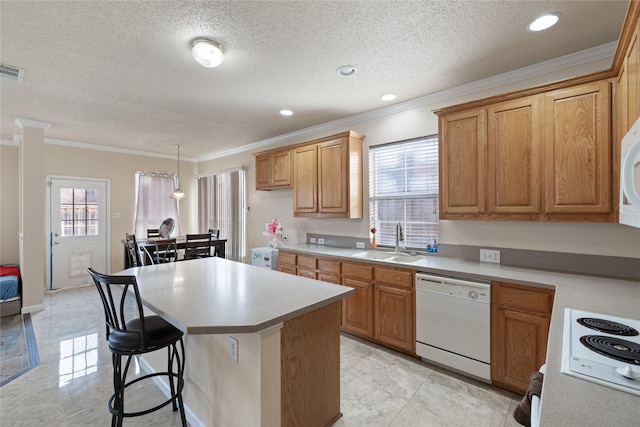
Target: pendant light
(178, 193)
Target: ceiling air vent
(11, 72)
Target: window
(403, 188)
(79, 211)
(153, 204)
(221, 201)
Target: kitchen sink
(387, 256)
(374, 255)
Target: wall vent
(11, 72)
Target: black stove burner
(608, 326)
(613, 347)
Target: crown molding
(32, 123)
(605, 51)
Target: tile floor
(379, 387)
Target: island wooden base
(284, 376)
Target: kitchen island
(262, 347)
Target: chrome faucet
(399, 237)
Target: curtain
(153, 204)
(221, 202)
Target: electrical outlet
(321, 241)
(312, 240)
(360, 245)
(489, 255)
(233, 349)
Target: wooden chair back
(197, 246)
(215, 234)
(161, 251)
(153, 232)
(133, 256)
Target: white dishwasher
(453, 324)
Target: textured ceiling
(120, 73)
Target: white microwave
(630, 177)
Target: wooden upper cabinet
(328, 177)
(274, 169)
(578, 152)
(463, 148)
(514, 142)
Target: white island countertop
(566, 400)
(220, 296)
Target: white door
(78, 231)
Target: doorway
(77, 230)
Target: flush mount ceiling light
(286, 112)
(207, 53)
(347, 70)
(388, 97)
(178, 193)
(544, 22)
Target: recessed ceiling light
(286, 112)
(388, 97)
(347, 70)
(544, 22)
(207, 53)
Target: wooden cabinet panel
(357, 271)
(305, 191)
(513, 163)
(309, 274)
(329, 278)
(520, 317)
(578, 151)
(287, 269)
(462, 163)
(287, 258)
(394, 317)
(331, 266)
(332, 182)
(357, 309)
(308, 262)
(396, 277)
(274, 169)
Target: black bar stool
(130, 336)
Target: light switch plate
(321, 241)
(312, 240)
(360, 245)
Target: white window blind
(403, 188)
(153, 204)
(221, 201)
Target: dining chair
(130, 333)
(197, 246)
(133, 254)
(161, 251)
(215, 234)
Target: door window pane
(79, 212)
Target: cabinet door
(394, 316)
(309, 274)
(333, 179)
(514, 141)
(281, 168)
(305, 192)
(357, 309)
(520, 347)
(462, 164)
(263, 171)
(578, 152)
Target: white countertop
(215, 295)
(566, 400)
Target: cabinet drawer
(306, 261)
(287, 269)
(287, 258)
(310, 274)
(329, 278)
(402, 278)
(523, 298)
(357, 271)
(329, 266)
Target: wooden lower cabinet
(519, 331)
(394, 323)
(357, 309)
